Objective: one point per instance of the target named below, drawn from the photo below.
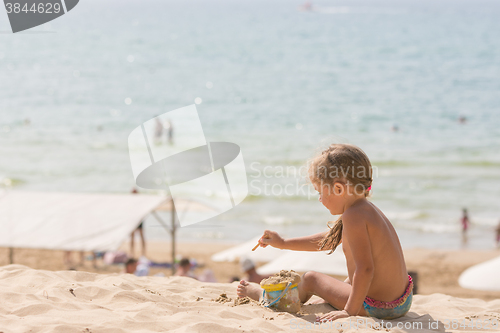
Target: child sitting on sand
(378, 284)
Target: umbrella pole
(172, 233)
(172, 230)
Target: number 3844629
(48, 8)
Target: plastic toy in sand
(280, 291)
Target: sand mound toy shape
(280, 291)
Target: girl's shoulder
(361, 212)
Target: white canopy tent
(301, 261)
(483, 276)
(71, 221)
(245, 250)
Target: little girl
(378, 284)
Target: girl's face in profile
(330, 195)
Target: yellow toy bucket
(282, 296)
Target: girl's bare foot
(249, 289)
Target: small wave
(253, 197)
(350, 10)
(437, 228)
(410, 215)
(392, 163)
(276, 220)
(430, 227)
(331, 10)
(485, 221)
(485, 164)
(7, 181)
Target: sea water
(280, 82)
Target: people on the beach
(184, 269)
(378, 283)
(465, 225)
(169, 127)
(131, 265)
(137, 267)
(140, 231)
(158, 131)
(160, 128)
(248, 268)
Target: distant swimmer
(395, 128)
(462, 119)
(306, 7)
(27, 121)
(158, 131)
(169, 127)
(465, 225)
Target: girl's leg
(250, 289)
(333, 291)
(132, 236)
(143, 243)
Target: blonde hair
(343, 163)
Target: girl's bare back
(390, 277)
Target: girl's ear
(338, 189)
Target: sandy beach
(38, 295)
(198, 125)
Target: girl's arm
(306, 243)
(356, 234)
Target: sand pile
(282, 277)
(222, 299)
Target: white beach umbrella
(333, 264)
(245, 250)
(483, 276)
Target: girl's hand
(333, 315)
(271, 238)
